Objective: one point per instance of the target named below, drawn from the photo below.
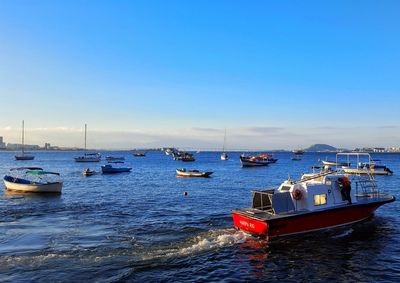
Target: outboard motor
(388, 170)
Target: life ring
(297, 194)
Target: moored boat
(191, 173)
(170, 150)
(139, 154)
(32, 180)
(224, 155)
(335, 163)
(317, 201)
(187, 157)
(24, 155)
(177, 155)
(298, 151)
(365, 165)
(88, 157)
(257, 160)
(88, 172)
(112, 158)
(183, 156)
(296, 158)
(110, 169)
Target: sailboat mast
(223, 147)
(23, 136)
(85, 135)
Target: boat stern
(246, 223)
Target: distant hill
(321, 147)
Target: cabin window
(319, 199)
(286, 188)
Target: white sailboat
(224, 155)
(88, 157)
(24, 156)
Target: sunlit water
(139, 226)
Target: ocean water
(139, 226)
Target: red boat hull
(303, 222)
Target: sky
(275, 74)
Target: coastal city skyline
(4, 145)
(276, 77)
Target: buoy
(185, 194)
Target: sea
(140, 226)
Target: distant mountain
(321, 147)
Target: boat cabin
(313, 192)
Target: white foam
(344, 234)
(212, 240)
(33, 260)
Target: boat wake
(214, 240)
(211, 240)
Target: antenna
(85, 135)
(23, 136)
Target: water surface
(139, 226)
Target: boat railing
(366, 187)
(358, 156)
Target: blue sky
(276, 74)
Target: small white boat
(191, 173)
(139, 154)
(23, 155)
(334, 163)
(89, 157)
(368, 167)
(170, 150)
(32, 180)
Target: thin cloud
(209, 130)
(264, 130)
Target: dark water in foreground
(139, 227)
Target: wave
(211, 240)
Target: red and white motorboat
(317, 201)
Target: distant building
(18, 146)
(47, 146)
(2, 143)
